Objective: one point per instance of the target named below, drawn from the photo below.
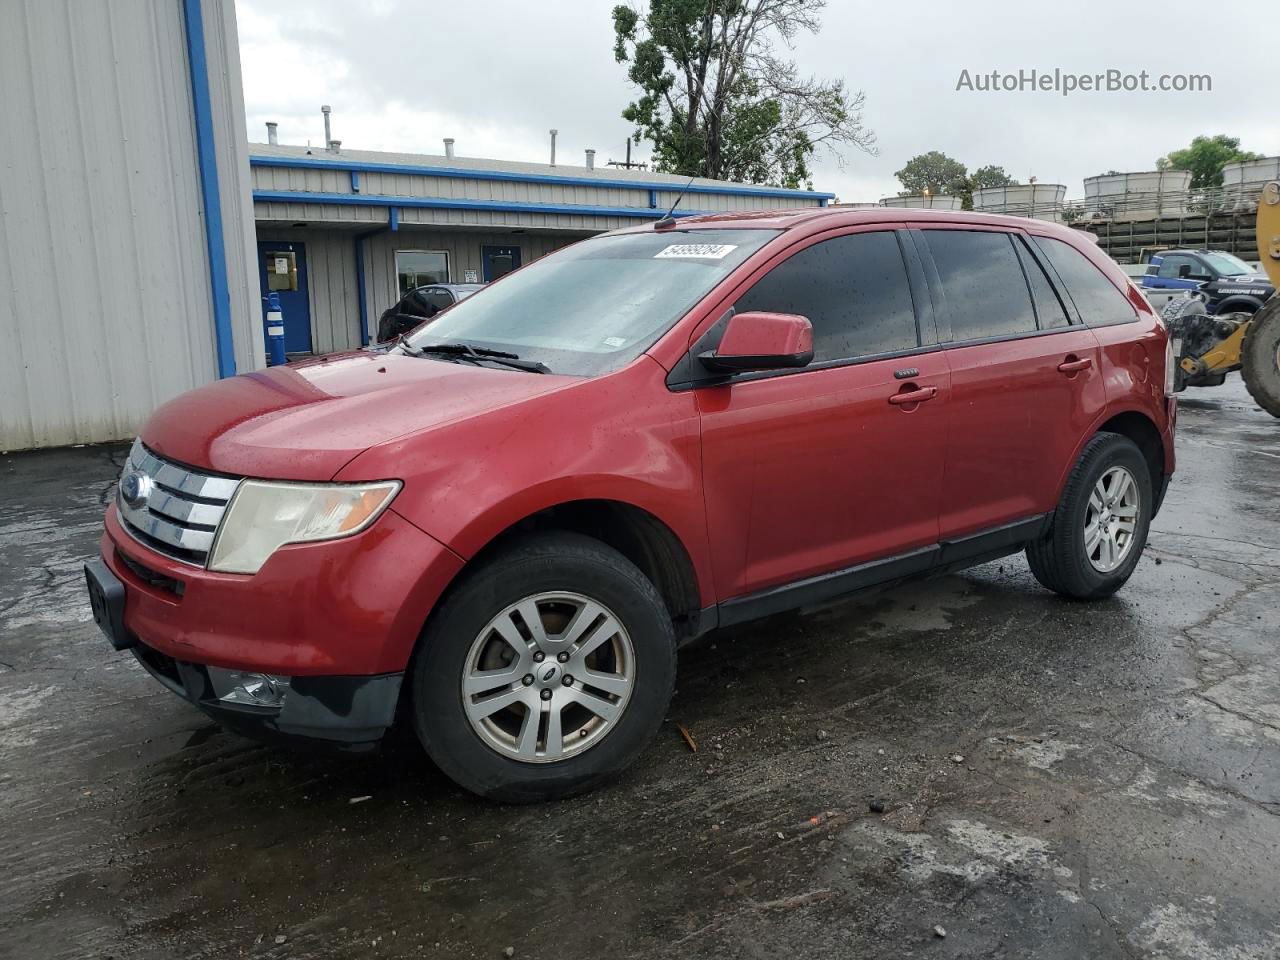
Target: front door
(818, 470)
(294, 303)
(1025, 379)
(499, 261)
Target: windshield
(594, 306)
(1227, 265)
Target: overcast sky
(402, 74)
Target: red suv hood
(306, 420)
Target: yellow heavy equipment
(1207, 348)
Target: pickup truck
(1228, 283)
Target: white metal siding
(104, 281)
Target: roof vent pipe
(591, 159)
(335, 146)
(448, 147)
(272, 126)
(553, 147)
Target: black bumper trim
(350, 713)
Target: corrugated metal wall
(331, 270)
(104, 278)
(463, 188)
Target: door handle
(918, 395)
(1074, 364)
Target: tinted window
(983, 283)
(854, 291)
(1049, 309)
(1095, 296)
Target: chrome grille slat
(183, 508)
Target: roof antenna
(668, 219)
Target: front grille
(180, 508)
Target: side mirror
(762, 341)
(1184, 271)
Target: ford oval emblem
(135, 487)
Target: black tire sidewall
(560, 562)
(1076, 572)
(1258, 361)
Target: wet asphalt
(1030, 776)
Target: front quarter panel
(621, 437)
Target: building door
(499, 260)
(289, 280)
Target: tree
(935, 172)
(1205, 159)
(716, 100)
(990, 176)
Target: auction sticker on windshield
(696, 251)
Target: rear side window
(439, 298)
(1094, 295)
(853, 289)
(983, 283)
(1050, 311)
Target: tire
(475, 632)
(1061, 560)
(1260, 357)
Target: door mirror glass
(762, 341)
(1184, 272)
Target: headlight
(265, 516)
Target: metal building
(362, 227)
(126, 229)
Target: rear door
(822, 469)
(1025, 378)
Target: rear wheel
(1260, 357)
(1100, 526)
(546, 672)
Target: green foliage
(991, 176)
(716, 101)
(935, 172)
(1205, 159)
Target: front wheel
(546, 672)
(1100, 525)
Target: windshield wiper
(476, 354)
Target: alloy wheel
(548, 677)
(1111, 519)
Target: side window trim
(921, 296)
(938, 300)
(1068, 301)
(1029, 261)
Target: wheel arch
(1138, 426)
(639, 535)
(1238, 304)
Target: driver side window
(854, 291)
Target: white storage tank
(1145, 195)
(925, 201)
(1243, 182)
(1043, 201)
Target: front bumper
(351, 607)
(348, 712)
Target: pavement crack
(1121, 941)
(1236, 713)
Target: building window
(417, 268)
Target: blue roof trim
(210, 195)
(317, 163)
(439, 203)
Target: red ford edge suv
(501, 528)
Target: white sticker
(696, 251)
(614, 341)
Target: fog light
(249, 689)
